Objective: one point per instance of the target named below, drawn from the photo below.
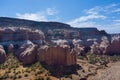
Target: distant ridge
(55, 30)
(10, 22)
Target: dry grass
(92, 67)
(12, 69)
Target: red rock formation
(28, 53)
(12, 35)
(104, 44)
(95, 48)
(21, 34)
(11, 48)
(100, 48)
(2, 54)
(56, 55)
(41, 56)
(114, 47)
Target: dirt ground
(111, 73)
(86, 71)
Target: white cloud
(94, 10)
(85, 21)
(112, 28)
(88, 17)
(39, 16)
(32, 16)
(103, 9)
(102, 17)
(85, 24)
(116, 10)
(51, 11)
(110, 6)
(118, 20)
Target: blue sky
(103, 14)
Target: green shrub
(40, 78)
(48, 78)
(26, 75)
(19, 76)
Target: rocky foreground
(27, 46)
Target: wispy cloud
(116, 10)
(39, 16)
(86, 24)
(85, 20)
(32, 16)
(51, 11)
(102, 17)
(94, 10)
(118, 20)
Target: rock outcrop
(100, 48)
(95, 48)
(57, 55)
(17, 36)
(104, 45)
(2, 54)
(41, 56)
(11, 48)
(27, 54)
(114, 47)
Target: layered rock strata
(57, 55)
(17, 36)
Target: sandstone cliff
(114, 47)
(17, 36)
(57, 55)
(2, 54)
(28, 53)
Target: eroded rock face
(100, 48)
(114, 47)
(57, 55)
(41, 56)
(2, 54)
(104, 45)
(95, 48)
(11, 48)
(27, 54)
(13, 35)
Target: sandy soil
(112, 73)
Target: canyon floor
(85, 69)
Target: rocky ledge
(27, 46)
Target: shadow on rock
(61, 71)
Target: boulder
(11, 48)
(2, 54)
(41, 56)
(27, 53)
(57, 55)
(114, 47)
